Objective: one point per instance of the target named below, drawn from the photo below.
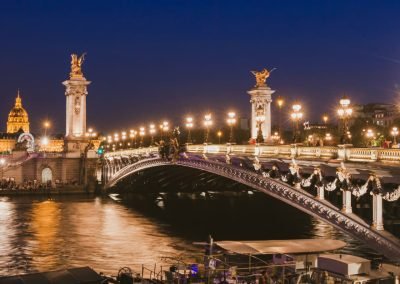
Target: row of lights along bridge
(135, 138)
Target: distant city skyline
(157, 60)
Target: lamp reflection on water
(45, 228)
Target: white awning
(302, 246)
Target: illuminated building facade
(18, 118)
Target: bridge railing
(345, 153)
(128, 152)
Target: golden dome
(18, 117)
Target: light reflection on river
(41, 234)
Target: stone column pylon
(377, 212)
(76, 92)
(261, 99)
(346, 200)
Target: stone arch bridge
(115, 166)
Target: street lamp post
(325, 118)
(165, 128)
(370, 136)
(123, 138)
(207, 123)
(46, 125)
(219, 134)
(116, 140)
(189, 126)
(345, 112)
(141, 134)
(152, 130)
(296, 116)
(395, 132)
(231, 122)
(132, 136)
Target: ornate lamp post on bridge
(207, 123)
(370, 134)
(231, 122)
(345, 112)
(123, 138)
(116, 140)
(132, 136)
(219, 134)
(46, 126)
(141, 134)
(164, 127)
(325, 118)
(189, 126)
(152, 131)
(296, 115)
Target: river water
(38, 234)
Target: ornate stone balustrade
(344, 153)
(284, 151)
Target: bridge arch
(381, 241)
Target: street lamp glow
(189, 122)
(132, 133)
(395, 133)
(2, 161)
(296, 116)
(296, 107)
(46, 125)
(325, 118)
(152, 130)
(189, 125)
(219, 134)
(344, 112)
(231, 118)
(207, 120)
(207, 123)
(165, 126)
(231, 121)
(345, 101)
(280, 102)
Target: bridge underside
(176, 179)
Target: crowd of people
(7, 183)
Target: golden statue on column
(76, 66)
(261, 77)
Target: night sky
(150, 60)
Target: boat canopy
(301, 246)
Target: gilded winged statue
(76, 65)
(261, 77)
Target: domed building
(18, 118)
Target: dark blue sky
(150, 60)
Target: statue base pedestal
(260, 99)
